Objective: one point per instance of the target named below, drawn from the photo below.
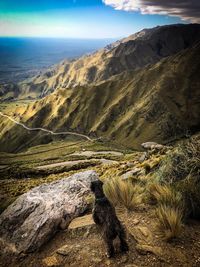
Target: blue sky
(76, 18)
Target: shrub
(169, 221)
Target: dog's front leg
(95, 216)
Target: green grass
(56, 151)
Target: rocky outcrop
(36, 215)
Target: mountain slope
(138, 50)
(157, 103)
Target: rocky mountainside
(159, 102)
(134, 52)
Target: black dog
(105, 217)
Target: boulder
(36, 215)
(82, 227)
(131, 173)
(143, 157)
(152, 145)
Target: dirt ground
(82, 245)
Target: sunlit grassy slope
(131, 53)
(136, 51)
(159, 103)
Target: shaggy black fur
(105, 217)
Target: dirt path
(43, 129)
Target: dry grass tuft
(124, 193)
(169, 222)
(111, 190)
(165, 194)
(169, 211)
(130, 195)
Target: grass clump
(169, 211)
(165, 194)
(169, 221)
(123, 193)
(111, 189)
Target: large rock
(36, 215)
(152, 145)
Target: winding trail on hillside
(43, 129)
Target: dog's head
(97, 188)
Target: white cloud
(123, 4)
(185, 9)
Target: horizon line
(60, 37)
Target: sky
(91, 18)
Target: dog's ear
(92, 186)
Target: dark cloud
(185, 9)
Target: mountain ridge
(159, 102)
(134, 52)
